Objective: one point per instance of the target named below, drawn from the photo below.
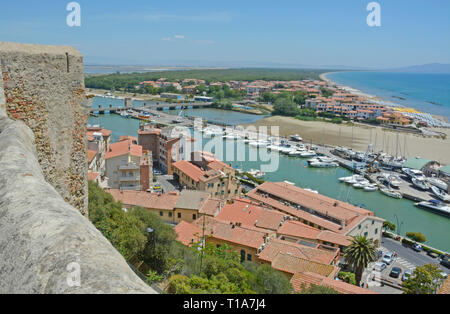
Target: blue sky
(245, 32)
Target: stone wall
(41, 235)
(44, 87)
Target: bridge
(159, 107)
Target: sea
(428, 93)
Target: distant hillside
(425, 68)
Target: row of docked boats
(421, 182)
(359, 182)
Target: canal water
(403, 213)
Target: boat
(256, 173)
(124, 114)
(307, 154)
(395, 181)
(371, 188)
(391, 193)
(421, 183)
(435, 206)
(438, 183)
(312, 191)
(361, 184)
(322, 159)
(144, 116)
(322, 164)
(295, 153)
(412, 173)
(440, 194)
(296, 138)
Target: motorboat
(295, 153)
(371, 188)
(312, 191)
(395, 181)
(391, 193)
(440, 194)
(296, 138)
(420, 183)
(259, 143)
(256, 173)
(322, 159)
(307, 154)
(353, 179)
(322, 164)
(361, 184)
(144, 116)
(438, 183)
(435, 206)
(412, 173)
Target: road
(409, 255)
(167, 183)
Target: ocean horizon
(428, 93)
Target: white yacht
(256, 173)
(307, 154)
(391, 193)
(412, 173)
(371, 188)
(361, 184)
(438, 183)
(436, 207)
(421, 183)
(295, 153)
(322, 164)
(440, 194)
(296, 138)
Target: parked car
(380, 266)
(446, 262)
(388, 258)
(417, 247)
(406, 275)
(444, 274)
(432, 254)
(395, 272)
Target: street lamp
(153, 232)
(398, 224)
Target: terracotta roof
(246, 236)
(149, 131)
(189, 169)
(323, 206)
(123, 148)
(211, 207)
(187, 233)
(218, 165)
(298, 230)
(250, 214)
(308, 278)
(145, 199)
(333, 237)
(277, 246)
(91, 154)
(292, 264)
(92, 176)
(127, 137)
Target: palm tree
(359, 254)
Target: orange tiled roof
(308, 278)
(92, 176)
(91, 154)
(123, 148)
(211, 207)
(218, 165)
(298, 230)
(250, 214)
(277, 246)
(189, 169)
(292, 264)
(145, 199)
(127, 137)
(92, 130)
(187, 233)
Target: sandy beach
(359, 137)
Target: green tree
(424, 280)
(285, 107)
(389, 226)
(270, 281)
(348, 277)
(416, 236)
(359, 254)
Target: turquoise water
(411, 218)
(425, 92)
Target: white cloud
(178, 37)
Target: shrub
(416, 236)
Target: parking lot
(406, 260)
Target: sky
(238, 33)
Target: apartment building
(217, 179)
(319, 211)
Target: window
(194, 216)
(366, 234)
(359, 227)
(161, 214)
(170, 214)
(373, 222)
(179, 215)
(376, 231)
(249, 257)
(242, 256)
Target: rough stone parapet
(43, 86)
(41, 234)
